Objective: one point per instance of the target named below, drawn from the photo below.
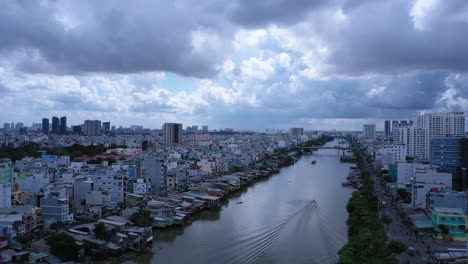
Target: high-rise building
(92, 127)
(76, 129)
(414, 139)
(6, 182)
(19, 126)
(6, 127)
(388, 128)
(63, 125)
(296, 132)
(395, 124)
(369, 131)
(45, 125)
(446, 153)
(172, 133)
(106, 126)
(442, 125)
(55, 125)
(205, 128)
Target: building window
(461, 227)
(442, 218)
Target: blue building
(446, 153)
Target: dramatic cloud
(241, 64)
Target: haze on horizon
(243, 64)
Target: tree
(386, 219)
(144, 145)
(396, 247)
(25, 239)
(63, 246)
(100, 231)
(444, 230)
(142, 218)
(56, 226)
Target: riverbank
(177, 210)
(367, 239)
(261, 221)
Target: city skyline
(226, 66)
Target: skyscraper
(414, 139)
(369, 131)
(106, 126)
(388, 128)
(172, 133)
(205, 128)
(442, 125)
(63, 125)
(92, 127)
(55, 125)
(296, 132)
(6, 127)
(45, 125)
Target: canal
(272, 221)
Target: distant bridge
(335, 147)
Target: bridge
(319, 147)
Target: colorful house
(453, 219)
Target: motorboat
(313, 162)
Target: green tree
(25, 239)
(386, 219)
(396, 247)
(444, 230)
(144, 145)
(63, 246)
(56, 226)
(142, 218)
(100, 231)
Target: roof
(109, 222)
(446, 210)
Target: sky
(239, 64)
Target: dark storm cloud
(383, 37)
(103, 36)
(264, 12)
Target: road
(396, 230)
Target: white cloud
(257, 68)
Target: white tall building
(442, 125)
(369, 131)
(414, 139)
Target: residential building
(414, 139)
(388, 128)
(55, 208)
(142, 186)
(45, 125)
(153, 170)
(391, 154)
(6, 182)
(369, 131)
(205, 128)
(55, 125)
(296, 132)
(448, 208)
(113, 183)
(442, 125)
(106, 126)
(172, 133)
(92, 127)
(63, 125)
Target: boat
(239, 202)
(313, 162)
(313, 201)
